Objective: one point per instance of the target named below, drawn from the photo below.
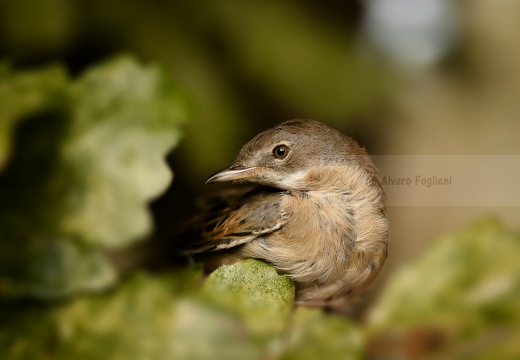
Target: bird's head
(295, 155)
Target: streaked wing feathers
(236, 219)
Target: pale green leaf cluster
(79, 161)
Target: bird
(314, 210)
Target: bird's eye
(280, 152)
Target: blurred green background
(94, 94)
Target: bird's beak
(231, 173)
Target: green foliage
(202, 331)
(82, 159)
(253, 290)
(253, 293)
(142, 319)
(52, 269)
(315, 335)
(132, 322)
(464, 292)
(124, 120)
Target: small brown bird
(316, 213)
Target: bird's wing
(235, 219)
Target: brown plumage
(316, 213)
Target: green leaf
(256, 293)
(202, 331)
(138, 320)
(52, 268)
(464, 290)
(313, 334)
(135, 322)
(86, 159)
(125, 119)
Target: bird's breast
(322, 214)
(317, 239)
